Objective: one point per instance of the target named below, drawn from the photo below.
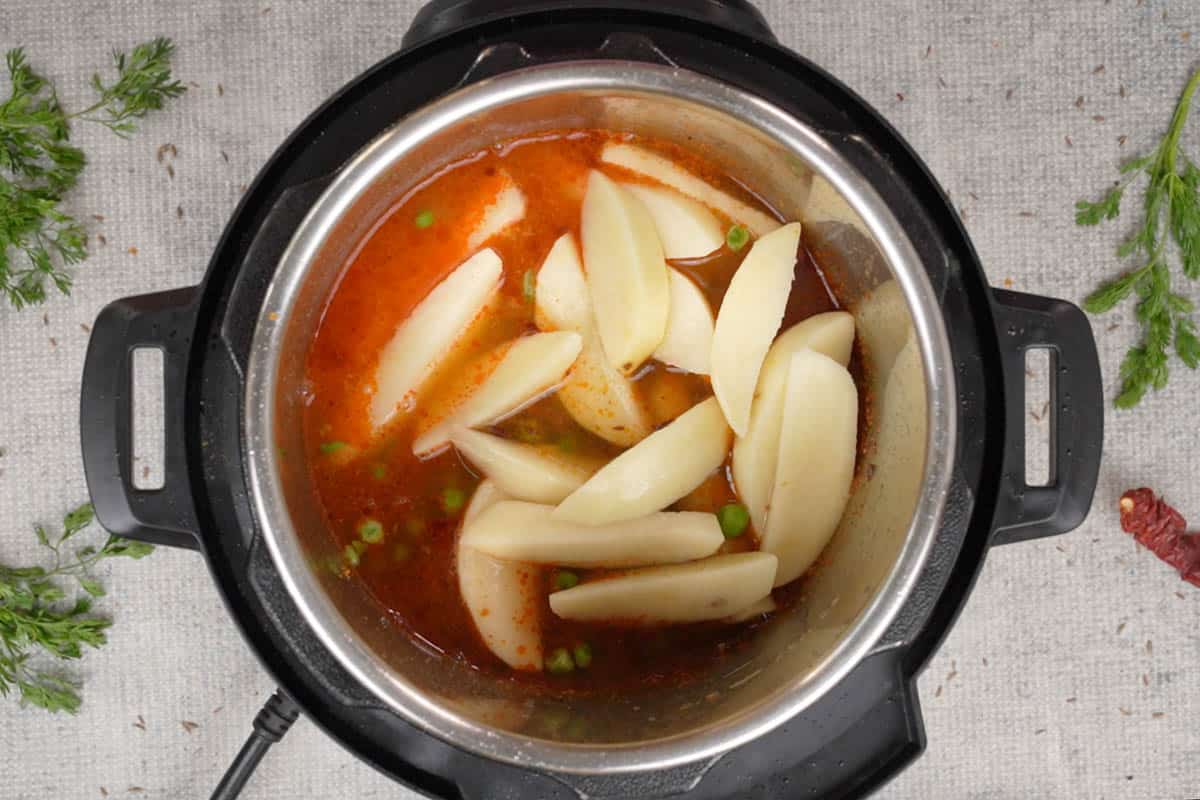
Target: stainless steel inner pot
(876, 555)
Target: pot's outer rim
(599, 76)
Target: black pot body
(858, 735)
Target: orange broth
(358, 476)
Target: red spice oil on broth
(358, 475)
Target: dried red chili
(1162, 530)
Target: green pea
(329, 448)
(424, 219)
(559, 662)
(453, 499)
(583, 655)
(351, 555)
(737, 238)
(371, 531)
(577, 729)
(379, 471)
(529, 284)
(565, 579)
(734, 519)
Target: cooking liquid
(358, 475)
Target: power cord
(271, 723)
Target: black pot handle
(164, 321)
(439, 17)
(1026, 322)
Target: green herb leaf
(92, 587)
(424, 220)
(1094, 213)
(1171, 213)
(33, 622)
(1110, 294)
(116, 547)
(1187, 345)
(38, 164)
(77, 520)
(1185, 219)
(143, 84)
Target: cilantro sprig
(1171, 214)
(39, 623)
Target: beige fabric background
(1074, 672)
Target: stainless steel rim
(262, 376)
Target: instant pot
(823, 702)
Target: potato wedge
(561, 301)
(522, 531)
(666, 172)
(601, 399)
(817, 448)
(688, 341)
(505, 211)
(654, 473)
(749, 319)
(531, 367)
(755, 454)
(686, 227)
(885, 325)
(597, 396)
(755, 611)
(714, 588)
(500, 596)
(429, 333)
(522, 471)
(626, 273)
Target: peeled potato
(561, 300)
(520, 470)
(595, 394)
(714, 588)
(686, 228)
(507, 209)
(500, 596)
(626, 273)
(654, 473)
(761, 608)
(526, 532)
(602, 400)
(430, 331)
(755, 454)
(817, 447)
(830, 334)
(885, 325)
(531, 366)
(749, 319)
(688, 341)
(667, 172)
